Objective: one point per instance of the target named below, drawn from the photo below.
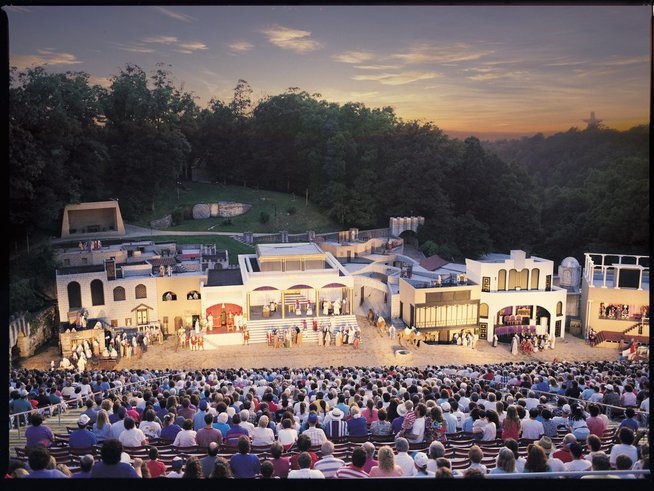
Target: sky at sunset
(489, 71)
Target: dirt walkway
(374, 351)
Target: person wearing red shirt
(595, 424)
(303, 445)
(133, 413)
(281, 465)
(564, 454)
(156, 467)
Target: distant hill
(569, 156)
(592, 187)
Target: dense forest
(73, 141)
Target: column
(317, 305)
(533, 313)
(283, 306)
(640, 281)
(616, 281)
(350, 304)
(247, 306)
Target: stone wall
(222, 209)
(162, 223)
(40, 331)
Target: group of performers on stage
(531, 343)
(328, 334)
(115, 346)
(227, 319)
(467, 339)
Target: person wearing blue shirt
(38, 460)
(245, 465)
(629, 420)
(221, 424)
(105, 384)
(198, 418)
(587, 392)
(111, 466)
(450, 419)
(356, 425)
(85, 466)
(81, 437)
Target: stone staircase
(259, 328)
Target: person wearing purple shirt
(170, 429)
(235, 432)
(244, 465)
(38, 434)
(629, 420)
(81, 437)
(38, 460)
(111, 466)
(356, 425)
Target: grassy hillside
(305, 217)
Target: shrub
(291, 210)
(178, 215)
(227, 221)
(264, 217)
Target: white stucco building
(517, 290)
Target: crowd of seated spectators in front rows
(242, 422)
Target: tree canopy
(557, 196)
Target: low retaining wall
(162, 223)
(224, 209)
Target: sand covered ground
(374, 351)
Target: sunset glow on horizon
(488, 71)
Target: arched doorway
(515, 319)
(218, 315)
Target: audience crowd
(467, 421)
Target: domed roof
(570, 262)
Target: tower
(592, 122)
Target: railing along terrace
(17, 418)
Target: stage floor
(215, 341)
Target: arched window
(97, 292)
(193, 295)
(169, 297)
(141, 291)
(559, 308)
(119, 294)
(74, 295)
(535, 276)
(513, 279)
(501, 280)
(523, 281)
(483, 310)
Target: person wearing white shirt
(186, 437)
(578, 463)
(132, 436)
(418, 430)
(305, 472)
(531, 429)
(456, 412)
(626, 437)
(262, 435)
(245, 416)
(531, 401)
(403, 459)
